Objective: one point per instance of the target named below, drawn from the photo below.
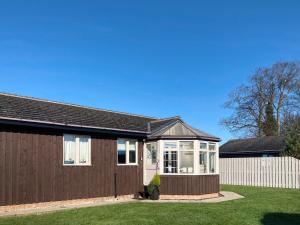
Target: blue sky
(157, 58)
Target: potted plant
(153, 187)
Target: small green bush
(155, 183)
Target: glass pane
(132, 152)
(148, 154)
(121, 157)
(203, 146)
(212, 162)
(170, 145)
(69, 149)
(132, 145)
(154, 156)
(83, 150)
(132, 157)
(121, 151)
(121, 145)
(186, 145)
(186, 162)
(212, 146)
(151, 153)
(170, 162)
(203, 162)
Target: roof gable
(178, 129)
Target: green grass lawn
(268, 206)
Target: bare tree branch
(279, 85)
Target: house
(267, 146)
(53, 151)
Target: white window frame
(173, 150)
(77, 151)
(217, 157)
(197, 151)
(207, 159)
(179, 156)
(127, 163)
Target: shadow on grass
(281, 219)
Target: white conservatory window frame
(197, 150)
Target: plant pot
(155, 193)
(146, 193)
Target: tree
(276, 87)
(286, 78)
(292, 141)
(270, 125)
(288, 121)
(248, 112)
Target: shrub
(156, 180)
(153, 187)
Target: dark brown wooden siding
(31, 168)
(189, 185)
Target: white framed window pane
(170, 145)
(186, 162)
(212, 162)
(121, 145)
(132, 152)
(212, 146)
(186, 145)
(203, 146)
(170, 162)
(202, 162)
(69, 149)
(83, 150)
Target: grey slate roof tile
(39, 110)
(260, 144)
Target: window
(186, 149)
(77, 150)
(203, 145)
(170, 157)
(132, 152)
(83, 150)
(121, 152)
(212, 146)
(127, 152)
(151, 153)
(170, 162)
(203, 157)
(188, 157)
(202, 162)
(212, 162)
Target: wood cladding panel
(31, 168)
(189, 184)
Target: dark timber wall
(31, 168)
(189, 184)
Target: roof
(260, 144)
(33, 110)
(44, 111)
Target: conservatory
(186, 159)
